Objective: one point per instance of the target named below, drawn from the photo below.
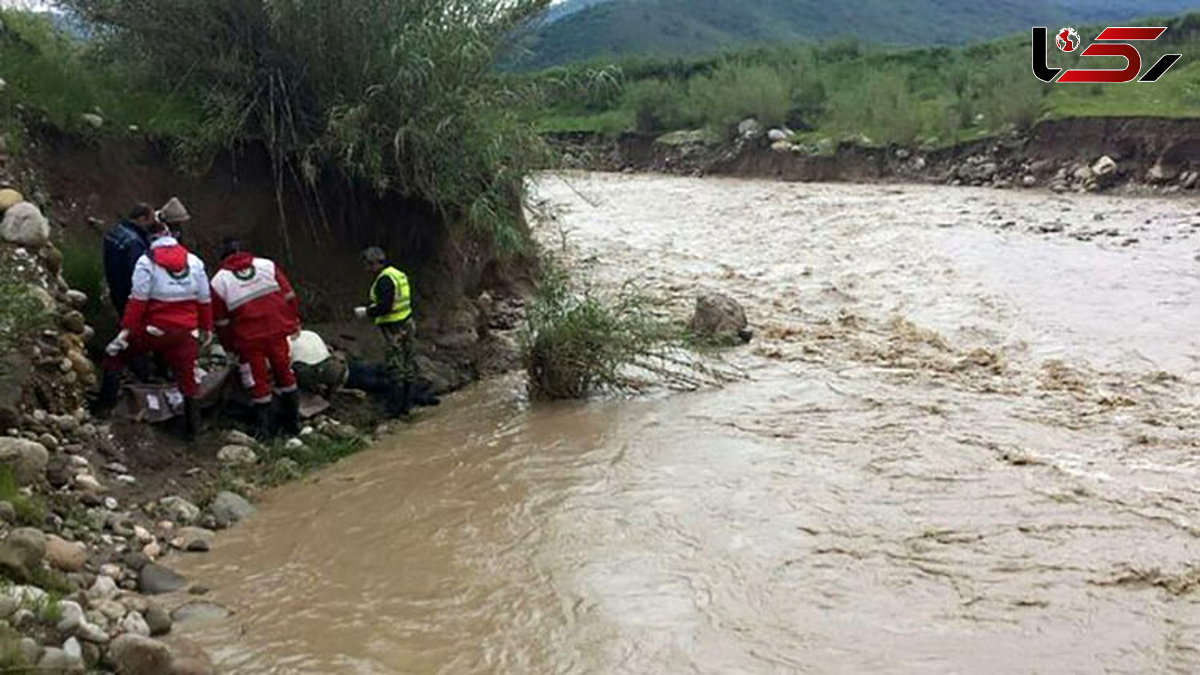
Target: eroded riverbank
(965, 442)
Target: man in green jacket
(391, 310)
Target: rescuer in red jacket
(255, 311)
(169, 312)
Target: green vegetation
(31, 510)
(83, 269)
(929, 96)
(391, 96)
(579, 342)
(671, 28)
(20, 311)
(370, 97)
(57, 80)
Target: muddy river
(964, 440)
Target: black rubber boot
(289, 413)
(400, 400)
(191, 419)
(106, 400)
(264, 427)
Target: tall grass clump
(83, 269)
(579, 342)
(30, 510)
(398, 95)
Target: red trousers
(264, 361)
(179, 350)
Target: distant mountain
(585, 29)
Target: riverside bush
(579, 342)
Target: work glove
(118, 344)
(360, 312)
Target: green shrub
(657, 105)
(30, 509)
(880, 106)
(20, 312)
(735, 91)
(1014, 98)
(83, 269)
(579, 342)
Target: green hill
(620, 28)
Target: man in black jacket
(124, 244)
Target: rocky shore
(1135, 155)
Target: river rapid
(964, 440)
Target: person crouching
(255, 311)
(169, 313)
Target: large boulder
(158, 620)
(199, 612)
(721, 318)
(21, 554)
(237, 455)
(229, 508)
(68, 556)
(188, 658)
(28, 459)
(1104, 166)
(154, 579)
(1162, 172)
(28, 545)
(10, 198)
(180, 509)
(139, 655)
(749, 128)
(24, 224)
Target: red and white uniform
(255, 310)
(169, 302)
(170, 291)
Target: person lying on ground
(255, 311)
(324, 371)
(169, 313)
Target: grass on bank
(31, 510)
(932, 96)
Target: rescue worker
(391, 311)
(255, 311)
(169, 313)
(174, 215)
(125, 244)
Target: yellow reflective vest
(401, 300)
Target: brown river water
(964, 440)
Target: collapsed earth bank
(1153, 155)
